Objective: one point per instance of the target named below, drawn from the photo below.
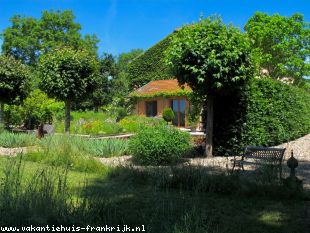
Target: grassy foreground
(35, 193)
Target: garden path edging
(14, 151)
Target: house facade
(155, 96)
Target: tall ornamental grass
(10, 140)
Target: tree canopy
(68, 75)
(120, 82)
(27, 38)
(211, 58)
(107, 71)
(281, 44)
(14, 81)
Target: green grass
(77, 153)
(121, 196)
(10, 140)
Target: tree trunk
(40, 133)
(96, 109)
(67, 117)
(209, 128)
(1, 113)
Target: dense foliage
(213, 59)
(37, 108)
(14, 81)
(281, 44)
(27, 38)
(265, 113)
(150, 65)
(68, 75)
(159, 145)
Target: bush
(13, 115)
(133, 123)
(264, 113)
(38, 108)
(168, 115)
(159, 145)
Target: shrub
(133, 123)
(13, 115)
(38, 108)
(154, 145)
(168, 115)
(17, 140)
(264, 113)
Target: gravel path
(300, 147)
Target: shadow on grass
(192, 201)
(174, 200)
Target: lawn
(118, 196)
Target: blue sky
(122, 25)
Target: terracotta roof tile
(153, 87)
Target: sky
(122, 25)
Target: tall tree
(211, 58)
(68, 75)
(125, 58)
(107, 71)
(281, 44)
(27, 38)
(121, 81)
(14, 81)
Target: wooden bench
(254, 155)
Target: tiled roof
(154, 87)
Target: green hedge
(264, 113)
(150, 65)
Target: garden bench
(254, 155)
